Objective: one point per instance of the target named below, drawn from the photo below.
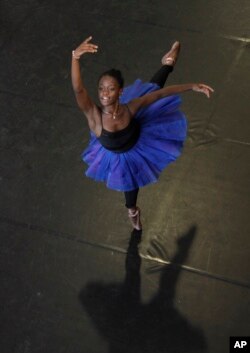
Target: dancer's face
(108, 90)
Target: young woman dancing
(135, 132)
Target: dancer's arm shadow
(178, 334)
(133, 327)
(170, 273)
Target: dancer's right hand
(85, 47)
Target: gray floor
(72, 279)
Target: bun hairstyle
(116, 74)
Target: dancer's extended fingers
(89, 47)
(209, 90)
(204, 90)
(90, 44)
(200, 87)
(93, 49)
(207, 93)
(208, 87)
(88, 39)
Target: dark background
(67, 284)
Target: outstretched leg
(168, 61)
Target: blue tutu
(163, 130)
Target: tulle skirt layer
(163, 130)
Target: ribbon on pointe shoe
(134, 216)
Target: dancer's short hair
(116, 74)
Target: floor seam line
(123, 251)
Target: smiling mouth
(105, 100)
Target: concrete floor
(74, 279)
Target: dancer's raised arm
(147, 99)
(83, 99)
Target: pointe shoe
(134, 216)
(171, 57)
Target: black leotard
(122, 140)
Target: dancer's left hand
(200, 87)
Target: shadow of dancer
(133, 327)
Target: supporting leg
(133, 210)
(131, 198)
